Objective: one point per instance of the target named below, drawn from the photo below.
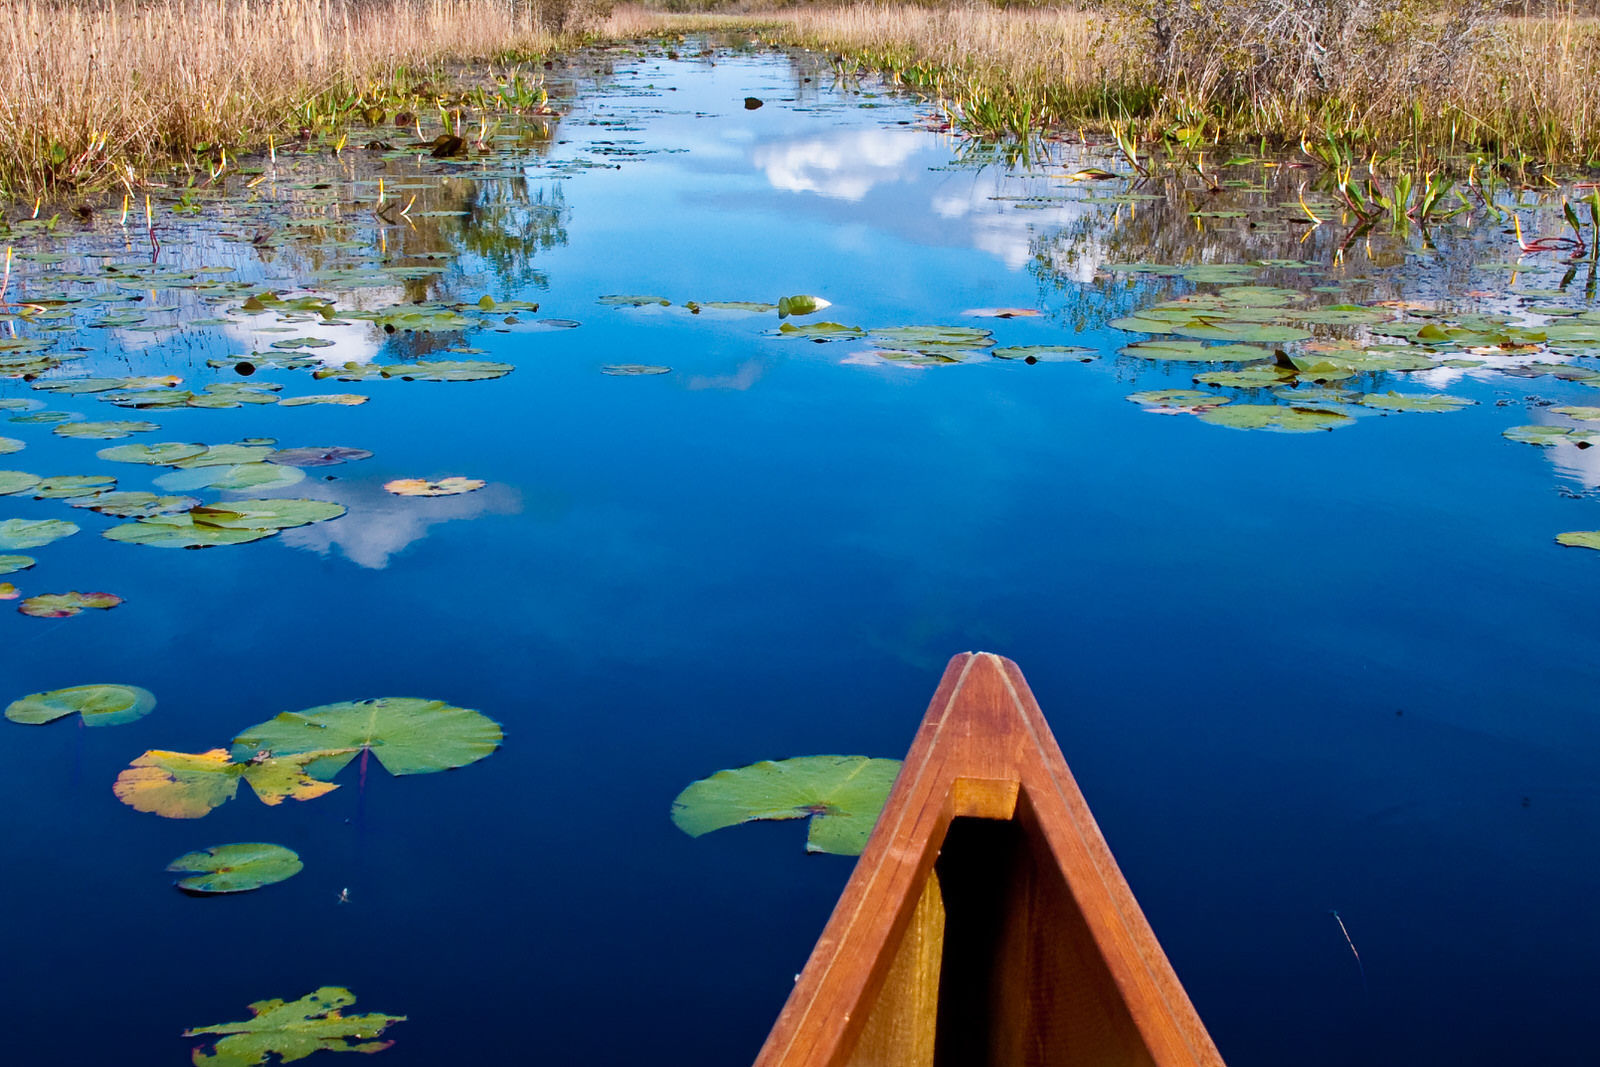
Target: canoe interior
(987, 925)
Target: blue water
(1293, 674)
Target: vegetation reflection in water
(1240, 294)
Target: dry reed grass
(91, 88)
(1530, 90)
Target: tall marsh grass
(91, 88)
(1518, 88)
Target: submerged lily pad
(236, 868)
(188, 785)
(99, 705)
(1580, 539)
(33, 533)
(630, 369)
(65, 605)
(408, 735)
(1275, 417)
(841, 795)
(292, 1031)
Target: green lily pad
(256, 477)
(274, 514)
(1264, 333)
(1195, 352)
(17, 482)
(103, 431)
(99, 705)
(134, 504)
(341, 399)
(1580, 539)
(46, 417)
(226, 456)
(1263, 376)
(1178, 400)
(820, 331)
(65, 605)
(464, 370)
(9, 445)
(801, 305)
(1581, 412)
(236, 868)
(165, 454)
(1045, 353)
(73, 386)
(1545, 436)
(34, 533)
(632, 369)
(1275, 417)
(932, 340)
(407, 735)
(12, 564)
(739, 305)
(624, 300)
(1393, 401)
(145, 399)
(1147, 324)
(181, 531)
(292, 1031)
(841, 795)
(68, 486)
(188, 785)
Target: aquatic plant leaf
(143, 399)
(225, 456)
(317, 457)
(1195, 352)
(841, 795)
(103, 431)
(1580, 539)
(188, 785)
(424, 487)
(463, 370)
(71, 485)
(1046, 353)
(1581, 412)
(294, 1030)
(277, 513)
(821, 331)
(100, 705)
(65, 605)
(801, 305)
(17, 482)
(33, 533)
(46, 417)
(73, 386)
(408, 735)
(162, 455)
(931, 339)
(1393, 401)
(242, 477)
(12, 564)
(1177, 400)
(1257, 377)
(1003, 313)
(624, 370)
(623, 300)
(236, 868)
(1275, 417)
(1545, 436)
(134, 504)
(343, 399)
(1242, 331)
(738, 305)
(181, 531)
(9, 445)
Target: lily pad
(801, 305)
(134, 504)
(236, 868)
(1243, 331)
(9, 445)
(821, 331)
(841, 795)
(1275, 417)
(162, 455)
(68, 486)
(1581, 412)
(181, 531)
(1177, 400)
(33, 533)
(1195, 352)
(408, 735)
(464, 370)
(103, 431)
(254, 477)
(12, 564)
(100, 705)
(1392, 401)
(632, 369)
(1580, 539)
(1046, 353)
(17, 482)
(931, 340)
(226, 456)
(276, 513)
(317, 457)
(1262, 376)
(342, 399)
(294, 1030)
(1545, 436)
(188, 785)
(624, 300)
(65, 605)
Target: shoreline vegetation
(101, 95)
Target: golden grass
(1532, 91)
(90, 88)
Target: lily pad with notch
(283, 1032)
(189, 785)
(841, 795)
(104, 704)
(244, 477)
(408, 735)
(165, 454)
(235, 868)
(1281, 418)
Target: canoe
(986, 923)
